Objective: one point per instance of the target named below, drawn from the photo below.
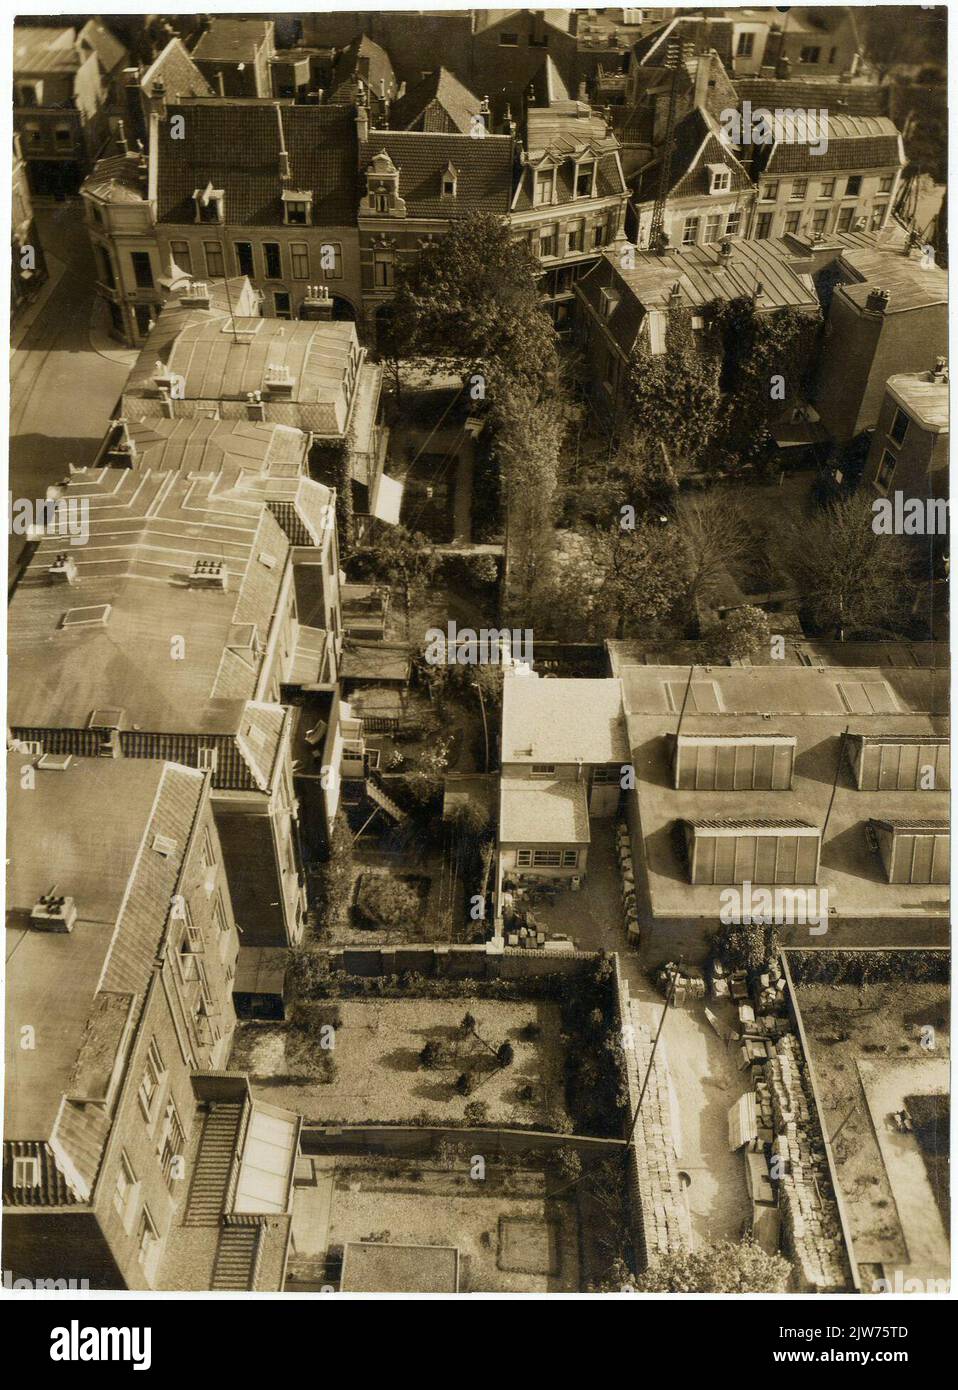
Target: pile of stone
(689, 982)
(770, 992)
(811, 1232)
(630, 911)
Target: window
(274, 263)
(826, 188)
(885, 184)
(733, 224)
(543, 770)
(598, 234)
(206, 761)
(106, 268)
(170, 1143)
(570, 858)
(182, 255)
(810, 55)
(299, 256)
(793, 222)
(799, 188)
(854, 186)
(745, 46)
(509, 40)
(763, 227)
(899, 426)
(545, 186)
(282, 307)
(886, 470)
(721, 180)
(713, 228)
(844, 223)
(30, 93)
(548, 242)
(244, 258)
(142, 269)
(878, 215)
(26, 1171)
(124, 1194)
(547, 858)
(575, 237)
(384, 270)
(214, 259)
(152, 1082)
(63, 137)
(147, 1239)
(820, 222)
(297, 212)
(690, 231)
(769, 192)
(33, 133)
(584, 179)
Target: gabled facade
(234, 55)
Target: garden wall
(481, 962)
(420, 1141)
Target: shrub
(505, 1054)
(388, 901)
(464, 1083)
(431, 1054)
(476, 1112)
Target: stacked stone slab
(811, 1231)
(630, 912)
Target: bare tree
(714, 534)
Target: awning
(386, 500)
(265, 1177)
(309, 656)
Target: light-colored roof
(925, 399)
(39, 49)
(562, 721)
(910, 283)
(543, 812)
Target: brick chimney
(877, 301)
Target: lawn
(864, 1035)
(378, 1076)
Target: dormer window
(545, 187)
(720, 178)
(382, 187)
(450, 181)
(297, 208)
(210, 204)
(585, 179)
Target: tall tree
(852, 581)
(644, 577)
(713, 534)
(728, 1266)
(673, 396)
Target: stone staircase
(215, 1162)
(237, 1257)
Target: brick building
(59, 100)
(234, 55)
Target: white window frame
(542, 770)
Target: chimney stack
(877, 301)
(157, 99)
(122, 452)
(362, 115)
(725, 252)
(940, 374)
(121, 144)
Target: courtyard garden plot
(880, 1054)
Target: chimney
(121, 144)
(318, 304)
(197, 296)
(122, 452)
(362, 116)
(877, 301)
(279, 381)
(940, 374)
(725, 252)
(283, 152)
(63, 570)
(157, 99)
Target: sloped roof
(457, 105)
(109, 51)
(236, 147)
(179, 74)
(231, 39)
(696, 145)
(838, 98)
(484, 170)
(856, 143)
(701, 33)
(910, 284)
(39, 49)
(362, 62)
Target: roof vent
(877, 301)
(209, 574)
(196, 296)
(63, 570)
(122, 451)
(279, 381)
(164, 845)
(54, 762)
(53, 912)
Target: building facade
(59, 111)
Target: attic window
(450, 181)
(96, 615)
(209, 204)
(585, 179)
(297, 208)
(26, 1172)
(545, 187)
(720, 178)
(164, 845)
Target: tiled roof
(366, 63)
(51, 1191)
(484, 167)
(763, 826)
(119, 178)
(179, 74)
(457, 106)
(240, 451)
(231, 39)
(696, 145)
(856, 143)
(838, 98)
(236, 147)
(108, 49)
(608, 182)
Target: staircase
(219, 1146)
(236, 1257)
(375, 793)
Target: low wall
(480, 962)
(420, 1141)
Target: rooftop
(87, 829)
(543, 812)
(925, 399)
(909, 282)
(441, 88)
(230, 39)
(856, 143)
(38, 49)
(484, 169)
(179, 74)
(562, 721)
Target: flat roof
(547, 720)
(925, 399)
(543, 812)
(372, 1267)
(911, 284)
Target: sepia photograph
(478, 667)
